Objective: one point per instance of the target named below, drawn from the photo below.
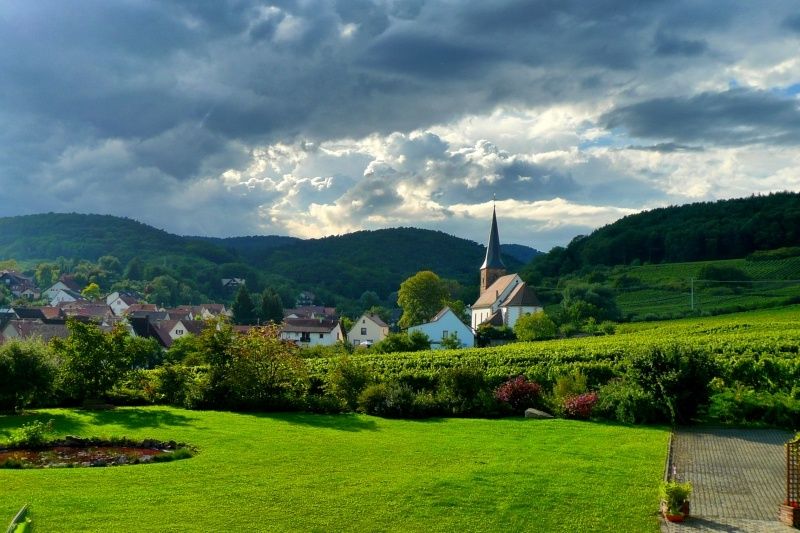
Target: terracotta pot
(675, 517)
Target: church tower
(493, 266)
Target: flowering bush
(519, 393)
(580, 406)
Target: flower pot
(680, 517)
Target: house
(232, 284)
(119, 302)
(311, 311)
(30, 329)
(312, 331)
(141, 308)
(83, 310)
(446, 325)
(18, 285)
(65, 296)
(305, 298)
(367, 330)
(65, 282)
(168, 331)
(503, 297)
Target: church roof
(490, 295)
(521, 296)
(493, 259)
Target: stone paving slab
(738, 478)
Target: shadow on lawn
(141, 418)
(341, 422)
(62, 424)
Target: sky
(313, 118)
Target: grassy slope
(321, 473)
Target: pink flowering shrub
(580, 406)
(519, 393)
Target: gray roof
(493, 259)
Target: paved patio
(738, 478)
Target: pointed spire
(493, 259)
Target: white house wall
(444, 327)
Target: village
(503, 299)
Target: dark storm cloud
(179, 92)
(670, 45)
(734, 117)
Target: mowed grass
(304, 472)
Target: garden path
(738, 478)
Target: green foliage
(31, 435)
(27, 370)
(187, 349)
(626, 402)
(271, 307)
(243, 308)
(743, 405)
(143, 352)
(92, 361)
(678, 375)
(92, 291)
(264, 372)
(346, 380)
(729, 274)
(462, 389)
(392, 400)
(451, 342)
(675, 494)
(535, 327)
(583, 301)
(403, 342)
(421, 296)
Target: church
(504, 297)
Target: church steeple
(492, 267)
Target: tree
(91, 292)
(46, 274)
(93, 361)
(135, 269)
(271, 307)
(368, 300)
(534, 327)
(243, 309)
(582, 301)
(26, 372)
(264, 371)
(403, 342)
(421, 296)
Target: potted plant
(675, 500)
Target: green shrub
(535, 327)
(678, 377)
(27, 371)
(177, 455)
(626, 402)
(172, 381)
(32, 435)
(460, 388)
(387, 399)
(346, 380)
(743, 405)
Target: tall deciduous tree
(243, 309)
(421, 296)
(94, 361)
(91, 291)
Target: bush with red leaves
(519, 393)
(580, 406)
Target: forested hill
(337, 268)
(726, 229)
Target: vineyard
(734, 358)
(673, 290)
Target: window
(356, 342)
(321, 335)
(305, 337)
(178, 332)
(445, 334)
(363, 331)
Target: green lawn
(302, 472)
